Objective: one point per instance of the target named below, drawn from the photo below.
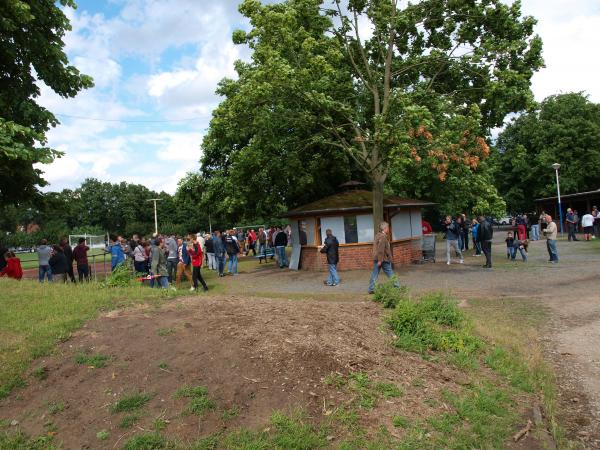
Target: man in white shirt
(587, 222)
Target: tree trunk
(378, 181)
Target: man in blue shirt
(117, 256)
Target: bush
(432, 322)
(122, 276)
(389, 295)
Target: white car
(505, 220)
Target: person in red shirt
(13, 267)
(426, 226)
(252, 242)
(195, 251)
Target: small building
(349, 216)
(580, 201)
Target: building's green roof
(351, 201)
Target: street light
(155, 216)
(556, 166)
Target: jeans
(333, 275)
(552, 251)
(221, 264)
(283, 262)
(163, 282)
(450, 243)
(212, 261)
(486, 246)
(44, 271)
(233, 261)
(572, 236)
(140, 266)
(477, 246)
(386, 266)
(522, 251)
(171, 268)
(511, 252)
(460, 242)
(465, 241)
(197, 276)
(535, 232)
(83, 272)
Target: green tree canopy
(565, 129)
(31, 52)
(426, 85)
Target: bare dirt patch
(254, 355)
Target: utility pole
(155, 216)
(556, 166)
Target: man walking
(485, 235)
(183, 264)
(571, 223)
(219, 247)
(195, 251)
(233, 249)
(81, 258)
(159, 264)
(551, 232)
(331, 249)
(173, 258)
(453, 233)
(209, 246)
(382, 257)
(44, 252)
(587, 222)
(281, 241)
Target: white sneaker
(192, 289)
(448, 262)
(461, 262)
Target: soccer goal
(93, 241)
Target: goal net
(93, 241)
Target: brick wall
(358, 257)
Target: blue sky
(156, 64)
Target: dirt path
(569, 290)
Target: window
(401, 228)
(336, 225)
(350, 230)
(306, 231)
(365, 228)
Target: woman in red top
(13, 267)
(195, 251)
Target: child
(510, 245)
(522, 246)
(13, 267)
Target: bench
(268, 252)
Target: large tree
(421, 82)
(31, 52)
(565, 129)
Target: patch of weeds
(463, 360)
(230, 413)
(56, 407)
(102, 435)
(432, 322)
(360, 441)
(512, 367)
(345, 416)
(41, 373)
(361, 383)
(207, 443)
(165, 332)
(388, 390)
(336, 380)
(295, 433)
(199, 399)
(4, 423)
(417, 382)
(20, 441)
(431, 402)
(120, 277)
(129, 420)
(163, 365)
(96, 361)
(130, 402)
(159, 424)
(50, 427)
(389, 295)
(147, 441)
(400, 421)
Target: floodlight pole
(155, 215)
(556, 166)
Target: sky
(156, 65)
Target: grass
(231, 413)
(40, 373)
(131, 402)
(165, 332)
(30, 260)
(199, 401)
(102, 435)
(96, 361)
(35, 317)
(56, 407)
(129, 420)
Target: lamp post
(556, 166)
(155, 216)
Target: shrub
(122, 276)
(389, 295)
(432, 322)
